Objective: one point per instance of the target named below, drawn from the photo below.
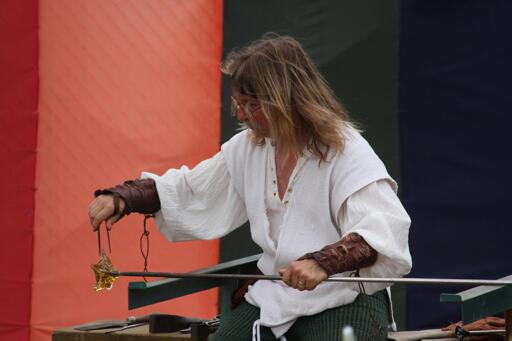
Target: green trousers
(368, 315)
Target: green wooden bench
(141, 294)
(482, 301)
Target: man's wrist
(139, 196)
(351, 253)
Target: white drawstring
(256, 332)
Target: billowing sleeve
(200, 203)
(376, 214)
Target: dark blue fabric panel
(455, 126)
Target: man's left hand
(303, 274)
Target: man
(318, 199)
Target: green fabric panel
(355, 45)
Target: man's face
(247, 109)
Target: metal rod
(486, 332)
(430, 281)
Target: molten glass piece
(104, 272)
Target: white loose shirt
(352, 192)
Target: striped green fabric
(368, 315)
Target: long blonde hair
(301, 109)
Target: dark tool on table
(130, 322)
(200, 331)
(162, 323)
(200, 327)
(134, 325)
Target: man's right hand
(102, 209)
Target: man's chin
(259, 133)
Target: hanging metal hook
(108, 238)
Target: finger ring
(302, 284)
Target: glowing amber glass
(104, 273)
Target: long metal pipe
(429, 281)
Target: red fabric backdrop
(18, 124)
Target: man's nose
(240, 115)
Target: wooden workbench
(133, 334)
(142, 333)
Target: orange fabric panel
(125, 86)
